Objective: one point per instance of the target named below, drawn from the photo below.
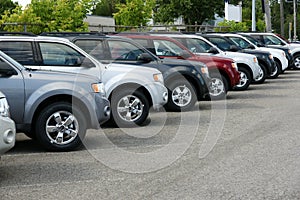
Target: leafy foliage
(231, 26)
(192, 11)
(106, 7)
(49, 15)
(134, 12)
(7, 5)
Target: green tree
(49, 15)
(192, 11)
(106, 7)
(134, 12)
(7, 5)
(231, 26)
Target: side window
(60, 55)
(166, 48)
(221, 43)
(93, 47)
(20, 51)
(198, 46)
(271, 40)
(121, 50)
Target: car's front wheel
(297, 61)
(129, 107)
(244, 81)
(182, 96)
(60, 127)
(218, 87)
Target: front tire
(129, 108)
(277, 70)
(244, 81)
(262, 74)
(297, 61)
(182, 96)
(60, 127)
(218, 87)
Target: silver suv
(54, 107)
(131, 89)
(7, 127)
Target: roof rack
(4, 33)
(70, 34)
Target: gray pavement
(246, 147)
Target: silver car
(7, 127)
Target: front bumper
(7, 134)
(159, 94)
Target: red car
(223, 71)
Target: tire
(297, 61)
(277, 70)
(218, 87)
(245, 80)
(181, 96)
(66, 117)
(129, 108)
(262, 75)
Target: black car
(269, 67)
(186, 81)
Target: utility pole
(281, 18)
(295, 20)
(253, 16)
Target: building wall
(100, 24)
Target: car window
(271, 40)
(200, 46)
(166, 48)
(240, 42)
(20, 51)
(94, 48)
(60, 55)
(220, 42)
(121, 50)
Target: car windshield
(222, 43)
(240, 42)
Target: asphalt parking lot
(245, 147)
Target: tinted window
(20, 51)
(60, 55)
(240, 42)
(221, 43)
(269, 39)
(94, 48)
(166, 48)
(121, 50)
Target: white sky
(23, 2)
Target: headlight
(234, 65)
(158, 78)
(255, 59)
(271, 56)
(204, 70)
(98, 88)
(4, 108)
(290, 52)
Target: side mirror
(213, 50)
(250, 46)
(145, 57)
(7, 73)
(234, 48)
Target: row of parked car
(60, 84)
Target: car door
(12, 85)
(61, 57)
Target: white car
(279, 55)
(273, 40)
(7, 127)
